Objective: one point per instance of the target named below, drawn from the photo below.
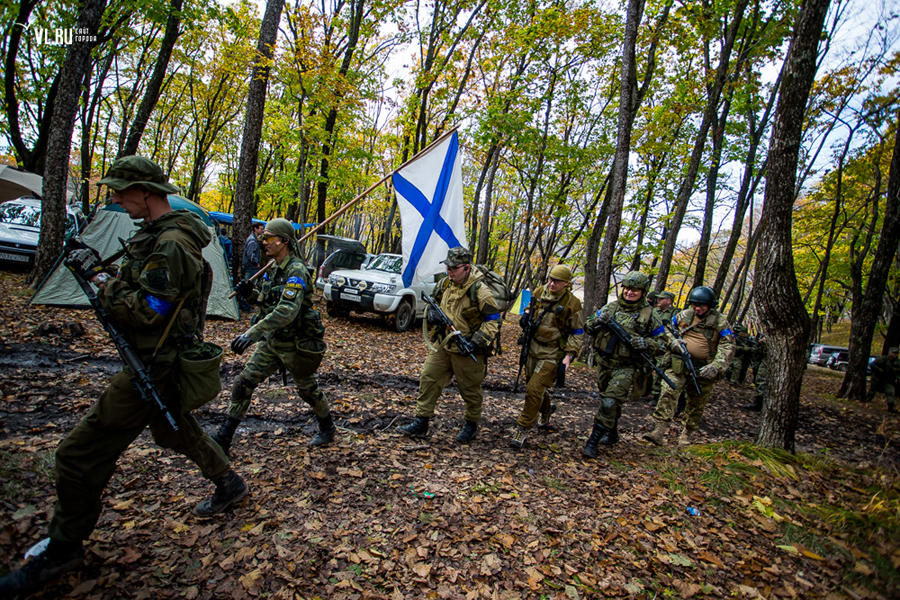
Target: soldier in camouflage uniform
(289, 331)
(743, 355)
(710, 342)
(885, 378)
(469, 303)
(158, 284)
(616, 360)
(557, 339)
(666, 311)
(760, 362)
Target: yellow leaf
(812, 555)
(789, 549)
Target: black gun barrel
(129, 356)
(465, 346)
(625, 337)
(686, 358)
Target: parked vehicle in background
(339, 253)
(20, 229)
(379, 289)
(838, 360)
(820, 353)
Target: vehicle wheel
(404, 317)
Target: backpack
(503, 296)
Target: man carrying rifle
(700, 351)
(460, 351)
(553, 327)
(158, 285)
(287, 331)
(627, 333)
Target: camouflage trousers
(693, 409)
(269, 357)
(890, 391)
(440, 366)
(86, 458)
(614, 382)
(540, 375)
(760, 376)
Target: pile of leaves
(377, 515)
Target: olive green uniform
(666, 317)
(760, 370)
(617, 361)
(471, 308)
(885, 377)
(162, 266)
(743, 355)
(559, 332)
(710, 341)
(289, 333)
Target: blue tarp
(228, 218)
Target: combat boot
(518, 438)
(230, 489)
(467, 433)
(590, 448)
(654, 400)
(224, 435)
(684, 438)
(756, 405)
(658, 435)
(417, 429)
(544, 422)
(610, 437)
(325, 434)
(51, 562)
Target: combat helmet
(703, 295)
(636, 279)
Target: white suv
(378, 288)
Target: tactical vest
(709, 327)
(308, 324)
(554, 326)
(635, 322)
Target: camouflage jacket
(885, 370)
(286, 312)
(473, 312)
(561, 329)
(163, 265)
(638, 319)
(714, 327)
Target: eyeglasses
(554, 280)
(454, 267)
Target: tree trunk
(627, 110)
(56, 171)
(245, 186)
(154, 86)
(687, 184)
(777, 300)
(862, 326)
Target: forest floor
(377, 515)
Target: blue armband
(578, 332)
(658, 331)
(158, 305)
(725, 332)
(493, 317)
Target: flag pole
(365, 193)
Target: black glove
(525, 320)
(639, 343)
(432, 316)
(245, 287)
(84, 261)
(240, 343)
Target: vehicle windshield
(20, 214)
(386, 262)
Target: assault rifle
(685, 358)
(129, 356)
(465, 345)
(625, 337)
(531, 325)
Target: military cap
(653, 295)
(281, 228)
(458, 256)
(666, 295)
(127, 171)
(561, 272)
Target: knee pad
(608, 403)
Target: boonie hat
(458, 256)
(137, 170)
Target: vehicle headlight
(381, 288)
(336, 280)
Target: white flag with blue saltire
(430, 198)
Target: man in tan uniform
(710, 342)
(555, 315)
(469, 304)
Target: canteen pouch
(198, 375)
